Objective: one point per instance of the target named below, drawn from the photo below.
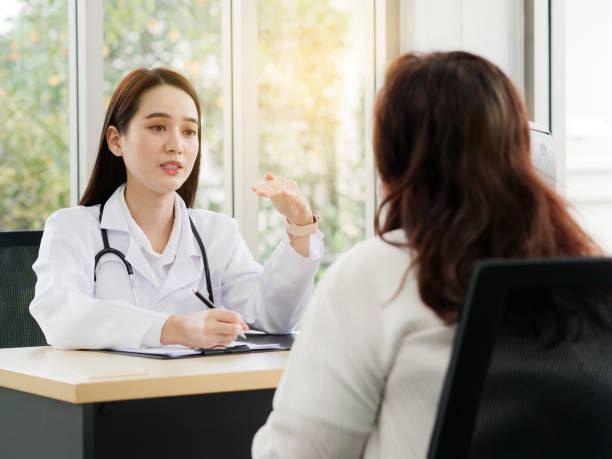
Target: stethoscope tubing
(128, 266)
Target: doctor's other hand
(286, 197)
(203, 329)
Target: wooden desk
(82, 404)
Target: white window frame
(558, 114)
(385, 39)
(545, 59)
(86, 98)
(245, 129)
(537, 61)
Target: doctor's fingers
(223, 315)
(224, 340)
(222, 328)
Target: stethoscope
(128, 266)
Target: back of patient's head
(451, 145)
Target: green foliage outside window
(34, 119)
(307, 129)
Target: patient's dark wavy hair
(452, 147)
(109, 170)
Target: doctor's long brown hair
(109, 170)
(451, 145)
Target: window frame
(557, 87)
(86, 98)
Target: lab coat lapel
(135, 256)
(187, 267)
(114, 220)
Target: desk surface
(86, 377)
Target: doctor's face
(160, 145)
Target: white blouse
(365, 373)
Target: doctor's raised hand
(118, 269)
(289, 201)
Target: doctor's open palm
(286, 198)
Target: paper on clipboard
(166, 351)
(254, 342)
(183, 351)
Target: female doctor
(118, 270)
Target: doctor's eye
(158, 128)
(190, 132)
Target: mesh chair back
(18, 252)
(531, 370)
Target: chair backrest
(530, 374)
(18, 252)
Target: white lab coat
(73, 311)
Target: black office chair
(18, 251)
(530, 374)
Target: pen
(210, 305)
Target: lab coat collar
(169, 252)
(187, 268)
(113, 219)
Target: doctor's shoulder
(78, 217)
(80, 223)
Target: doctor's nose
(173, 143)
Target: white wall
(491, 28)
(587, 114)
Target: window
(286, 86)
(312, 66)
(184, 35)
(34, 120)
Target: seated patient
(451, 145)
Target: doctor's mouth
(172, 167)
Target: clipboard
(260, 342)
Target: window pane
(34, 119)
(184, 35)
(589, 115)
(312, 63)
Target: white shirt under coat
(365, 373)
(73, 311)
